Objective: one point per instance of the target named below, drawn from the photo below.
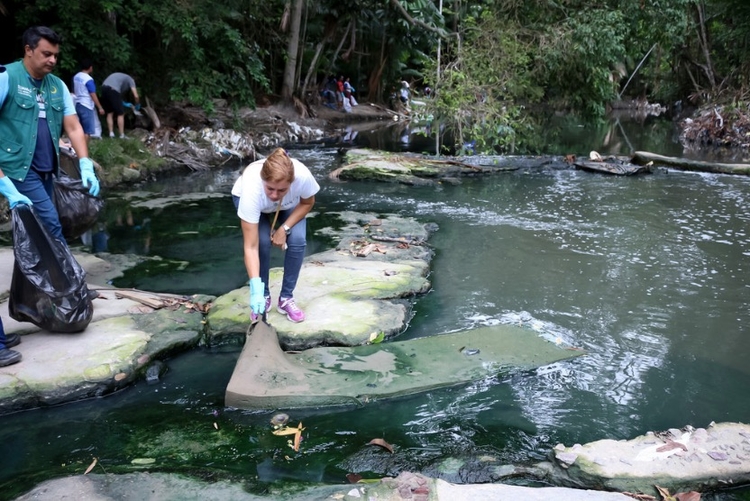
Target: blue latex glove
(257, 297)
(127, 104)
(9, 190)
(137, 106)
(87, 175)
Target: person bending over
(278, 191)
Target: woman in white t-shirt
(276, 191)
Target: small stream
(648, 274)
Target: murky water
(649, 274)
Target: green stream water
(649, 274)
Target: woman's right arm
(250, 248)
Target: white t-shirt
(253, 199)
(81, 91)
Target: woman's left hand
(278, 239)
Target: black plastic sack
(77, 208)
(48, 287)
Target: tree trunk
(374, 82)
(708, 68)
(643, 157)
(313, 65)
(290, 70)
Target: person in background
(280, 189)
(84, 90)
(340, 92)
(114, 88)
(35, 108)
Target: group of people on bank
(339, 94)
(272, 196)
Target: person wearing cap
(279, 190)
(35, 108)
(114, 88)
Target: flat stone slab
(406, 168)
(679, 460)
(123, 338)
(268, 378)
(346, 298)
(144, 485)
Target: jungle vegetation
(487, 61)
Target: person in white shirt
(273, 197)
(84, 95)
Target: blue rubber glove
(257, 297)
(127, 104)
(9, 190)
(137, 106)
(87, 175)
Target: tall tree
(289, 86)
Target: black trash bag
(48, 287)
(77, 208)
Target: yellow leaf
(382, 443)
(285, 431)
(91, 467)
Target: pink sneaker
(289, 308)
(254, 317)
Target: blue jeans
(296, 242)
(2, 335)
(39, 187)
(87, 118)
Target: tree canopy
(487, 61)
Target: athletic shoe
(254, 317)
(123, 136)
(12, 340)
(111, 134)
(289, 308)
(9, 357)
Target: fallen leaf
(286, 430)
(382, 443)
(298, 437)
(688, 496)
(143, 461)
(377, 337)
(216, 426)
(665, 495)
(91, 467)
(671, 444)
(353, 478)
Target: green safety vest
(19, 116)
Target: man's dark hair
(32, 36)
(85, 64)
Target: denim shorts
(87, 118)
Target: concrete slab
(267, 378)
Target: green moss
(114, 155)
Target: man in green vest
(35, 108)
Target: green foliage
(497, 55)
(193, 50)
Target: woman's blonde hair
(277, 167)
